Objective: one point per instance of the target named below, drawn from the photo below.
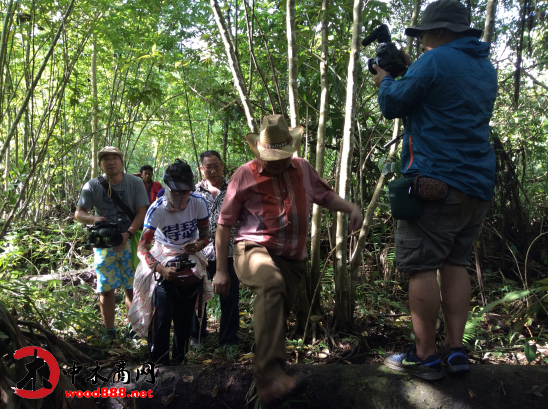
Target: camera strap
(123, 207)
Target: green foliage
(40, 249)
(67, 310)
(480, 336)
(514, 295)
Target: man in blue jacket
(446, 98)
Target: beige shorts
(444, 233)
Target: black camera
(104, 235)
(389, 58)
(182, 262)
(183, 267)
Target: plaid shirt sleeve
(233, 202)
(323, 194)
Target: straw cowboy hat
(276, 140)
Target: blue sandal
(457, 361)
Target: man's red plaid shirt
(274, 210)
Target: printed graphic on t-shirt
(177, 231)
(108, 200)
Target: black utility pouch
(403, 203)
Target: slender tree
(315, 231)
(234, 64)
(489, 31)
(292, 62)
(249, 25)
(94, 111)
(357, 255)
(8, 21)
(23, 107)
(343, 297)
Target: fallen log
(76, 277)
(341, 387)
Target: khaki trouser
(275, 280)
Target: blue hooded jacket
(447, 97)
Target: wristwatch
(130, 234)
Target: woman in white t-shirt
(178, 223)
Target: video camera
(104, 235)
(389, 58)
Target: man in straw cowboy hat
(447, 98)
(113, 266)
(270, 198)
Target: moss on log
(345, 386)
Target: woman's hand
(193, 248)
(169, 273)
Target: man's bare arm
(140, 214)
(338, 204)
(221, 282)
(82, 215)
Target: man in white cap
(447, 98)
(113, 266)
(270, 198)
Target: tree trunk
(225, 137)
(370, 212)
(340, 386)
(343, 297)
(7, 169)
(292, 66)
(489, 31)
(519, 53)
(8, 21)
(364, 232)
(272, 69)
(196, 157)
(237, 76)
(302, 305)
(315, 231)
(249, 25)
(94, 111)
(414, 19)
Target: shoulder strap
(116, 198)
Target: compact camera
(389, 58)
(182, 262)
(183, 267)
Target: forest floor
(491, 339)
(513, 332)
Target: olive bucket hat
(449, 14)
